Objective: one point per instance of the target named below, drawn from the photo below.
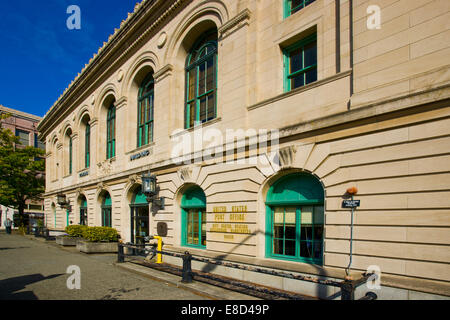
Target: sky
(40, 55)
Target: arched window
(193, 220)
(111, 132)
(201, 81)
(295, 219)
(68, 152)
(145, 111)
(106, 211)
(87, 146)
(83, 212)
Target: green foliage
(21, 171)
(98, 234)
(76, 231)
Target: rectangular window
(37, 143)
(292, 6)
(24, 137)
(297, 233)
(300, 63)
(195, 224)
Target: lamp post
(149, 188)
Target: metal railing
(347, 287)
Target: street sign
(351, 203)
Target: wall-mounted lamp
(63, 202)
(149, 188)
(352, 191)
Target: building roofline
(19, 113)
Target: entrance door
(140, 224)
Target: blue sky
(40, 56)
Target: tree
(21, 171)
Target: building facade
(24, 125)
(257, 117)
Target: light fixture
(61, 199)
(63, 202)
(149, 188)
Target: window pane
(278, 215)
(210, 74)
(318, 215)
(296, 62)
(310, 54)
(192, 84)
(277, 246)
(306, 233)
(203, 109)
(318, 250)
(192, 114)
(289, 247)
(298, 81)
(201, 78)
(311, 76)
(211, 113)
(318, 233)
(306, 213)
(306, 249)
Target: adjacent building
(256, 118)
(23, 125)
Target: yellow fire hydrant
(159, 248)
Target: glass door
(139, 224)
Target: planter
(67, 241)
(97, 247)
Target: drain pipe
(352, 192)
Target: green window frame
(70, 153)
(146, 100)
(201, 81)
(300, 63)
(292, 6)
(111, 132)
(87, 146)
(107, 211)
(295, 219)
(193, 221)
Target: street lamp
(149, 188)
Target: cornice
(146, 7)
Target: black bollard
(187, 276)
(120, 255)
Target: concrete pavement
(31, 269)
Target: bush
(98, 234)
(75, 231)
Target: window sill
(207, 123)
(151, 144)
(300, 90)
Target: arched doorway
(193, 218)
(139, 218)
(295, 219)
(83, 211)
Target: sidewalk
(201, 289)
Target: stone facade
(377, 119)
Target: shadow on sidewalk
(9, 287)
